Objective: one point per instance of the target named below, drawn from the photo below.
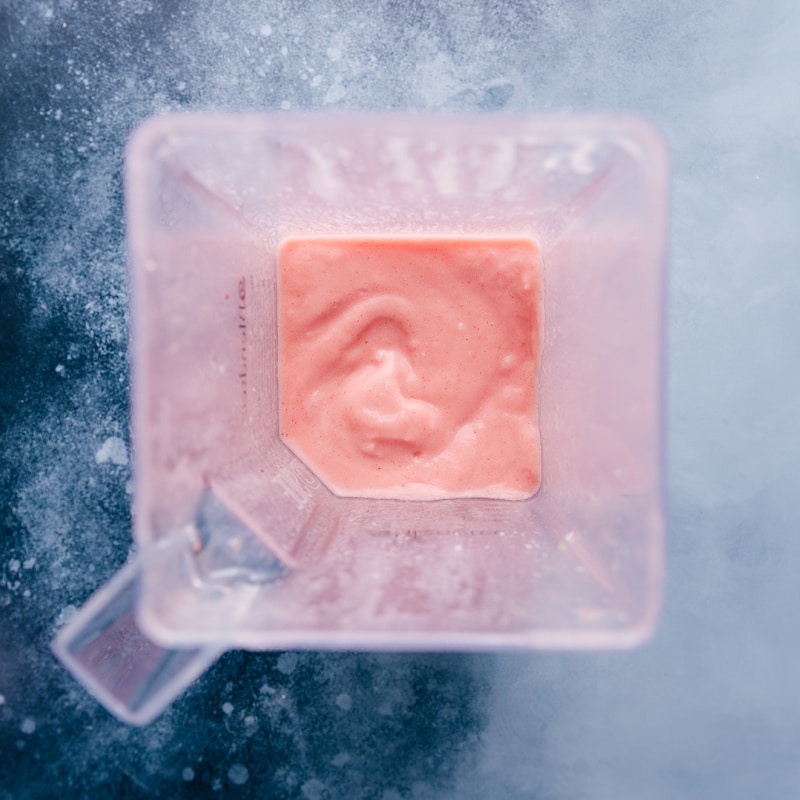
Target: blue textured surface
(711, 707)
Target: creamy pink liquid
(408, 366)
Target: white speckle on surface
(437, 80)
(113, 449)
(344, 701)
(266, 30)
(334, 53)
(14, 565)
(238, 774)
(60, 369)
(313, 789)
(287, 662)
(286, 104)
(334, 94)
(340, 759)
(187, 774)
(227, 708)
(57, 114)
(2, 699)
(250, 725)
(28, 725)
(29, 563)
(67, 613)
(316, 81)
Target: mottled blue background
(711, 708)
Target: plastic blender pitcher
(240, 545)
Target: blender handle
(106, 650)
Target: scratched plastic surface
(578, 565)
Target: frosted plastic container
(251, 549)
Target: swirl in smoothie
(408, 366)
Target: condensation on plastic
(579, 565)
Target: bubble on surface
(313, 789)
(28, 725)
(238, 774)
(187, 774)
(335, 94)
(113, 449)
(287, 663)
(344, 701)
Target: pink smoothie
(408, 366)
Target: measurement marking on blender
(418, 533)
(297, 483)
(242, 291)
